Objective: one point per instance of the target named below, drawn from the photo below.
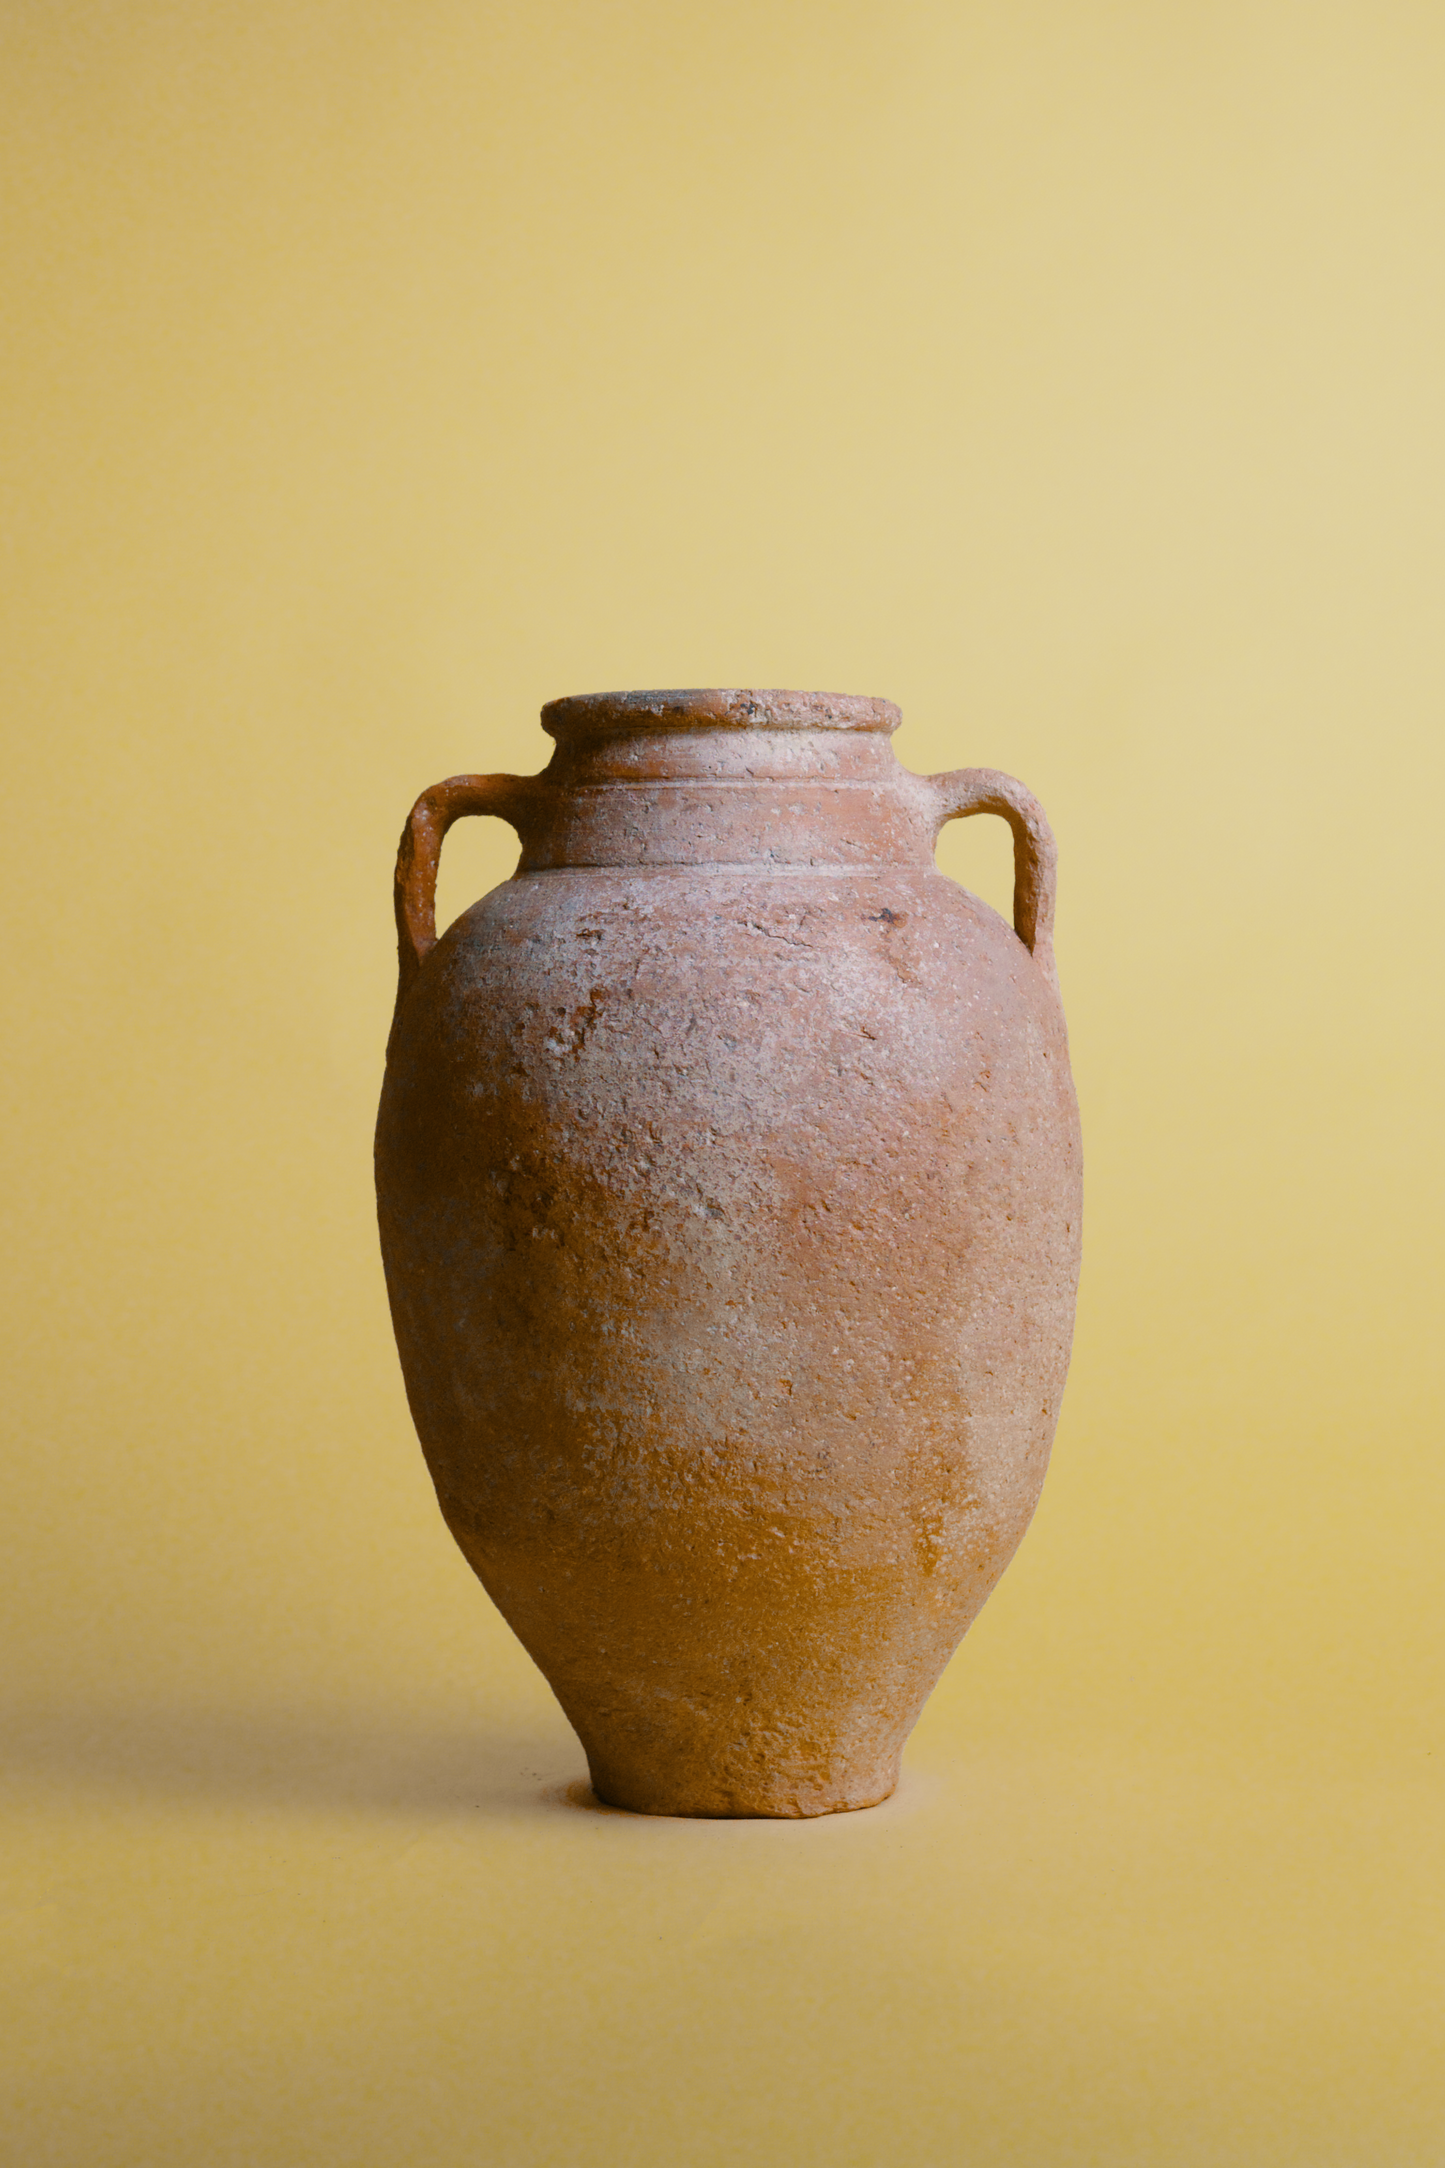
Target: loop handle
(421, 847)
(985, 790)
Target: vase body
(729, 1186)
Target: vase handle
(421, 848)
(985, 790)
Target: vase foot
(713, 1796)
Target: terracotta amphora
(729, 1181)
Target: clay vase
(728, 1166)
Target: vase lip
(596, 715)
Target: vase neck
(740, 779)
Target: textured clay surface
(729, 1182)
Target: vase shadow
(382, 1761)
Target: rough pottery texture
(728, 1167)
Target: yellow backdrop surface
(1068, 371)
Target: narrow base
(719, 1801)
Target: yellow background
(1069, 371)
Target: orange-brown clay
(728, 1167)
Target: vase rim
(590, 715)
